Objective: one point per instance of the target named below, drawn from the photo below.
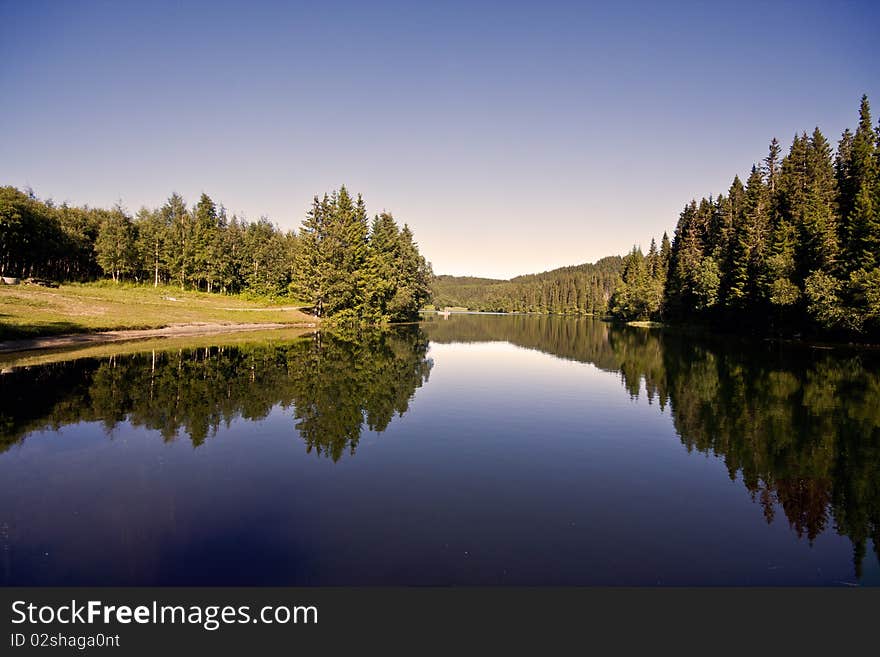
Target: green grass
(31, 311)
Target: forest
(339, 263)
(796, 248)
(580, 289)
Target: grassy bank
(31, 311)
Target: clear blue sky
(513, 137)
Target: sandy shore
(172, 331)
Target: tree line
(796, 247)
(580, 289)
(639, 294)
(340, 262)
(197, 248)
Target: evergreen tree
(355, 273)
(781, 281)
(734, 211)
(782, 290)
(381, 271)
(800, 241)
(653, 259)
(771, 167)
(843, 176)
(217, 258)
(793, 182)
(858, 188)
(824, 300)
(639, 293)
(751, 239)
(203, 238)
(819, 246)
(311, 282)
(345, 247)
(414, 282)
(665, 257)
(232, 246)
(685, 259)
(864, 225)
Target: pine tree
(843, 175)
(355, 273)
(310, 283)
(734, 210)
(653, 259)
(639, 293)
(751, 239)
(665, 256)
(771, 166)
(218, 256)
(381, 271)
(859, 185)
(781, 288)
(628, 302)
(414, 283)
(203, 238)
(684, 257)
(864, 238)
(782, 280)
(345, 249)
(231, 244)
(818, 223)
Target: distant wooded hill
(580, 289)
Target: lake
(477, 449)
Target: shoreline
(189, 329)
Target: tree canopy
(342, 264)
(354, 271)
(795, 248)
(581, 289)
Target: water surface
(472, 450)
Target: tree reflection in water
(799, 426)
(335, 385)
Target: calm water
(473, 450)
